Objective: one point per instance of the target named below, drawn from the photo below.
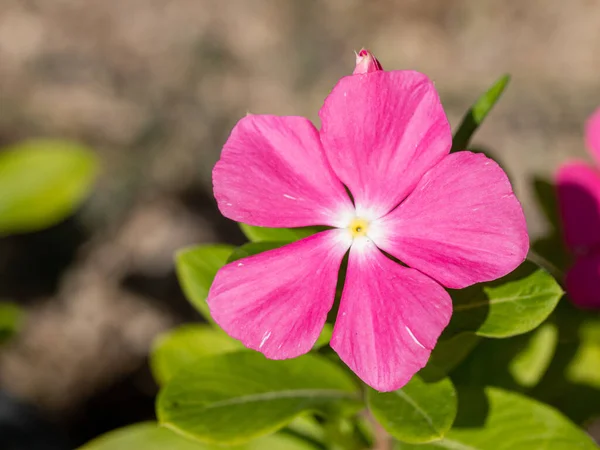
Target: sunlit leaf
(42, 182)
(150, 436)
(235, 397)
(419, 412)
(253, 248)
(475, 116)
(512, 305)
(175, 349)
(196, 270)
(494, 419)
(287, 235)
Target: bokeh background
(154, 86)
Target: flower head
(579, 201)
(451, 218)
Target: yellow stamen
(358, 227)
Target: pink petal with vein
(277, 302)
(583, 282)
(461, 225)
(389, 320)
(592, 134)
(273, 173)
(381, 133)
(579, 201)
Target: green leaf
(419, 412)
(11, 317)
(287, 235)
(150, 436)
(324, 337)
(516, 363)
(235, 397)
(253, 248)
(142, 436)
(584, 368)
(176, 349)
(532, 360)
(196, 269)
(494, 419)
(42, 182)
(512, 305)
(475, 116)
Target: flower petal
(277, 302)
(273, 173)
(461, 225)
(592, 134)
(389, 320)
(579, 202)
(381, 133)
(583, 282)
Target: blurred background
(154, 86)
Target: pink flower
(452, 218)
(579, 201)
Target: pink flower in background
(451, 218)
(579, 200)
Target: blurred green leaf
(516, 363)
(11, 317)
(196, 269)
(419, 412)
(42, 182)
(572, 381)
(235, 397)
(584, 368)
(287, 235)
(176, 349)
(494, 419)
(531, 362)
(512, 305)
(324, 337)
(150, 436)
(253, 248)
(475, 116)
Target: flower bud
(366, 62)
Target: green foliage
(42, 182)
(11, 317)
(196, 269)
(419, 412)
(150, 436)
(495, 419)
(512, 305)
(287, 235)
(532, 360)
(176, 349)
(478, 112)
(254, 248)
(517, 363)
(235, 397)
(324, 337)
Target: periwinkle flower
(451, 219)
